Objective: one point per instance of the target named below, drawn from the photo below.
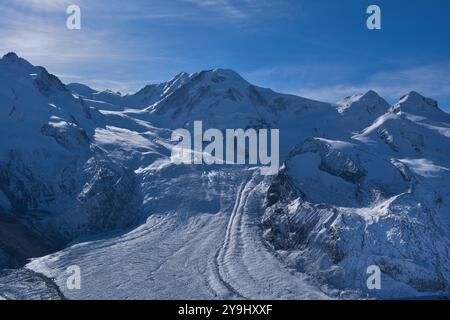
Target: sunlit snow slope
(87, 175)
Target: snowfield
(86, 180)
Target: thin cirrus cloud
(37, 36)
(241, 9)
(226, 7)
(36, 28)
(38, 5)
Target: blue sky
(319, 49)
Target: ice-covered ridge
(364, 185)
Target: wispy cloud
(37, 37)
(243, 9)
(432, 80)
(36, 28)
(43, 39)
(97, 55)
(39, 5)
(224, 6)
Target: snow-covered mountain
(143, 98)
(86, 179)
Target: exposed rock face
(55, 181)
(23, 284)
(355, 212)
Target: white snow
(424, 167)
(206, 256)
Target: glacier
(86, 179)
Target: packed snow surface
(86, 180)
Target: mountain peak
(227, 73)
(81, 89)
(177, 81)
(224, 72)
(218, 77)
(415, 97)
(13, 59)
(11, 56)
(370, 95)
(368, 103)
(415, 103)
(181, 75)
(219, 72)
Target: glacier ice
(86, 178)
